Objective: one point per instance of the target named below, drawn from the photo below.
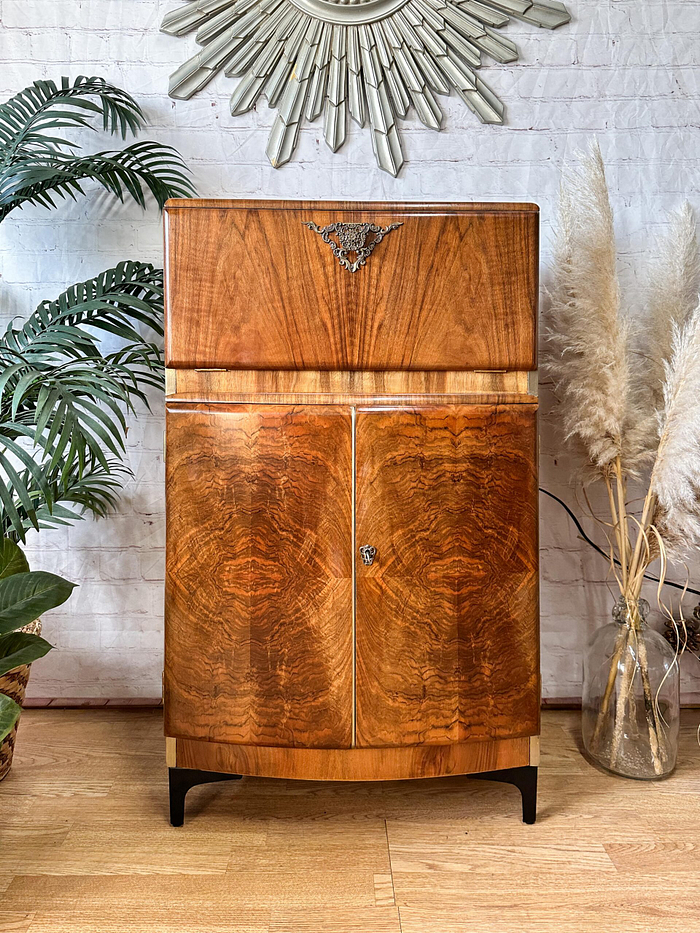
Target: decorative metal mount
(351, 239)
(370, 60)
(368, 552)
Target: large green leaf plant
(64, 398)
(24, 596)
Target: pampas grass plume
(675, 478)
(587, 333)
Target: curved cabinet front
(258, 611)
(277, 639)
(447, 612)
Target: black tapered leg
(181, 780)
(525, 779)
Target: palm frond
(37, 167)
(141, 167)
(63, 400)
(111, 301)
(28, 116)
(92, 490)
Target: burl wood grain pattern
(447, 617)
(248, 286)
(258, 622)
(354, 764)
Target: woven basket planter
(14, 685)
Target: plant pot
(14, 685)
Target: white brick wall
(624, 70)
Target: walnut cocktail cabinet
(351, 492)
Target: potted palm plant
(64, 398)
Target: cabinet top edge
(419, 207)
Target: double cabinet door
(280, 632)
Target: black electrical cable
(595, 547)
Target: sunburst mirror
(371, 60)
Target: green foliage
(24, 596)
(36, 166)
(9, 714)
(12, 559)
(63, 400)
(21, 648)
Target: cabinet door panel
(259, 575)
(447, 615)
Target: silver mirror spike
(371, 60)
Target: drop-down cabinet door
(259, 574)
(447, 611)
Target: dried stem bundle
(629, 401)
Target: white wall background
(627, 71)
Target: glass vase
(631, 696)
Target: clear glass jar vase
(631, 696)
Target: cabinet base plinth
(183, 779)
(509, 761)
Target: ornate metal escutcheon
(368, 552)
(352, 238)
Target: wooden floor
(85, 846)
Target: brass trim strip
(171, 752)
(534, 751)
(170, 381)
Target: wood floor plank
(479, 857)
(15, 921)
(550, 898)
(282, 854)
(680, 856)
(215, 897)
(559, 920)
(241, 924)
(364, 920)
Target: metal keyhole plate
(368, 553)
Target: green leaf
(9, 714)
(12, 559)
(21, 648)
(26, 596)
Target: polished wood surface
(248, 286)
(418, 207)
(346, 387)
(447, 615)
(259, 575)
(86, 846)
(354, 764)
